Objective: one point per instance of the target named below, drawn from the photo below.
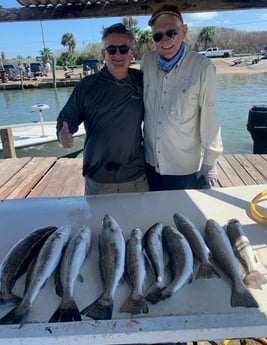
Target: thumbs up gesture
(65, 136)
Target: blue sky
(25, 38)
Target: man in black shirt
(110, 105)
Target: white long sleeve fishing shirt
(181, 127)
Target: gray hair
(119, 29)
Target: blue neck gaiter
(167, 65)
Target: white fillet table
(198, 311)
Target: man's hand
(65, 136)
(209, 173)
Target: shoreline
(223, 66)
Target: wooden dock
(59, 177)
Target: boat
(39, 139)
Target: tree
(46, 54)
(68, 40)
(206, 35)
(129, 22)
(67, 59)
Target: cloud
(202, 16)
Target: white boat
(39, 139)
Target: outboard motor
(257, 126)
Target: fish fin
(66, 312)
(135, 305)
(159, 284)
(157, 295)
(101, 309)
(58, 283)
(80, 278)
(254, 280)
(207, 271)
(15, 316)
(9, 301)
(243, 298)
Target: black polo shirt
(112, 112)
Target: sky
(28, 38)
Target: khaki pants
(138, 185)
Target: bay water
(236, 94)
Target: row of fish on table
(52, 250)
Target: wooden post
(54, 73)
(8, 143)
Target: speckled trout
(198, 246)
(153, 249)
(112, 262)
(223, 253)
(69, 272)
(45, 264)
(181, 263)
(17, 260)
(136, 274)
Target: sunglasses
(112, 50)
(157, 36)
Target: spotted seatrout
(45, 264)
(153, 249)
(181, 263)
(16, 262)
(112, 262)
(73, 258)
(244, 252)
(136, 274)
(198, 246)
(222, 251)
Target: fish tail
(135, 305)
(9, 301)
(66, 312)
(254, 280)
(243, 298)
(101, 309)
(16, 316)
(158, 295)
(208, 271)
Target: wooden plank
(65, 179)
(242, 168)
(103, 9)
(229, 177)
(259, 162)
(9, 167)
(26, 178)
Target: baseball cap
(165, 9)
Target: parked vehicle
(264, 51)
(12, 71)
(91, 66)
(216, 52)
(37, 69)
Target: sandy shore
(226, 65)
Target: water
(236, 94)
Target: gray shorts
(138, 185)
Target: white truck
(216, 52)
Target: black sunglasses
(113, 49)
(157, 36)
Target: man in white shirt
(182, 136)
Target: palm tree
(46, 54)
(129, 22)
(206, 35)
(69, 40)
